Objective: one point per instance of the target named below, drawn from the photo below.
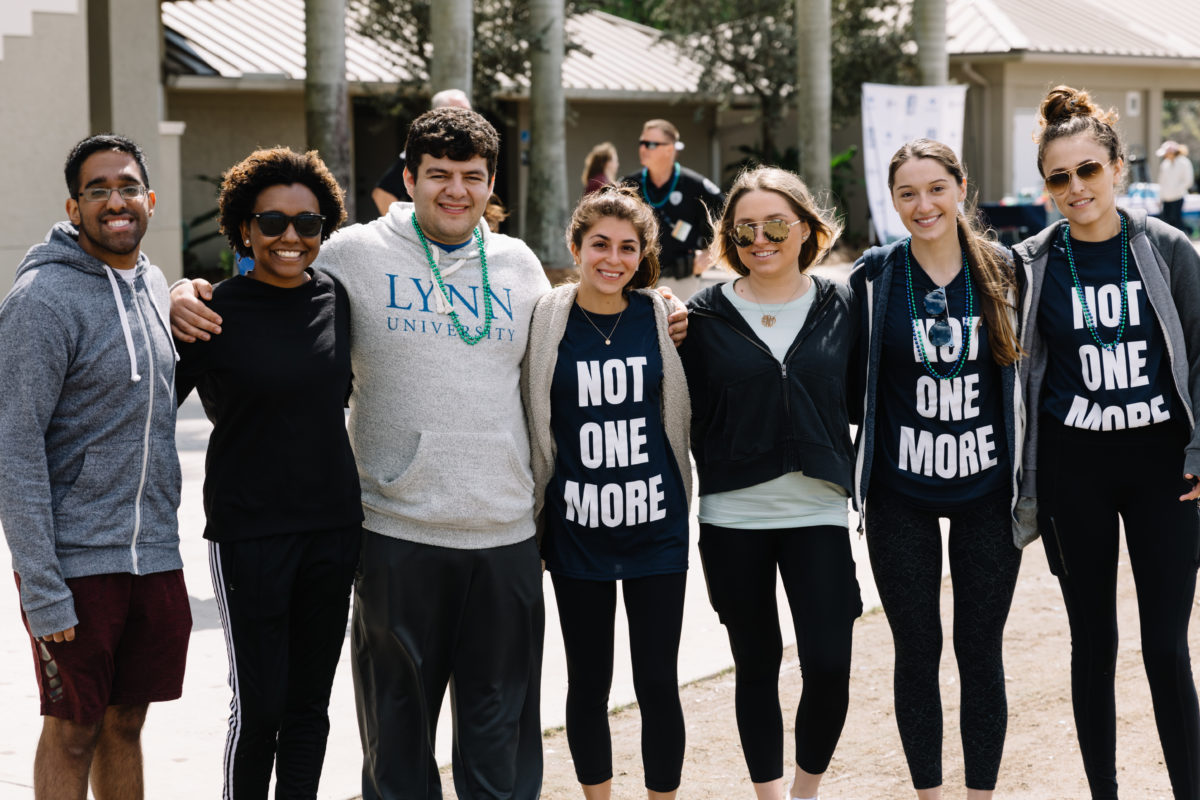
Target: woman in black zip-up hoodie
(766, 359)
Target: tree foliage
(747, 48)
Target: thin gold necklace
(768, 318)
(606, 336)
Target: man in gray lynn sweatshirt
(91, 477)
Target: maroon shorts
(130, 646)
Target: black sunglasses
(940, 334)
(274, 223)
(649, 145)
(776, 230)
(1059, 182)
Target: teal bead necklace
(487, 289)
(1087, 314)
(665, 197)
(918, 328)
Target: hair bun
(1063, 102)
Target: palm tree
(547, 208)
(452, 32)
(326, 99)
(929, 23)
(814, 90)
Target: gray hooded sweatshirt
(89, 475)
(437, 425)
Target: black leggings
(654, 608)
(905, 544)
(1085, 480)
(818, 576)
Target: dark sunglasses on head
(274, 223)
(1059, 182)
(940, 334)
(776, 230)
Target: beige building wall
(44, 111)
(222, 128)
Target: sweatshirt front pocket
(471, 481)
(97, 510)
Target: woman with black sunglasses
(766, 360)
(1112, 328)
(937, 439)
(281, 490)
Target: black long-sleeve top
(274, 384)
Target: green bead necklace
(665, 197)
(1087, 314)
(487, 289)
(918, 329)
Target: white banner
(892, 116)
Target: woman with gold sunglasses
(766, 360)
(1111, 324)
(938, 436)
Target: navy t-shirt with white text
(1088, 386)
(944, 441)
(615, 507)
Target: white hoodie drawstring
(112, 281)
(166, 325)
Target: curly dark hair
(94, 144)
(455, 133)
(277, 166)
(624, 203)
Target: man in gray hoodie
(91, 477)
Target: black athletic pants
(429, 617)
(905, 545)
(818, 576)
(1086, 479)
(283, 602)
(654, 608)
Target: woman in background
(600, 168)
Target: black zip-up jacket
(754, 418)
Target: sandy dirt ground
(1041, 758)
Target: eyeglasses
(940, 334)
(100, 194)
(274, 223)
(776, 230)
(649, 145)
(1059, 182)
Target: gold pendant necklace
(606, 336)
(769, 319)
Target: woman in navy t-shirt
(608, 417)
(938, 440)
(1112, 328)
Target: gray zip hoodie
(1169, 268)
(89, 476)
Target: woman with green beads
(1112, 328)
(938, 438)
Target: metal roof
(263, 41)
(1166, 29)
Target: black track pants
(427, 618)
(283, 602)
